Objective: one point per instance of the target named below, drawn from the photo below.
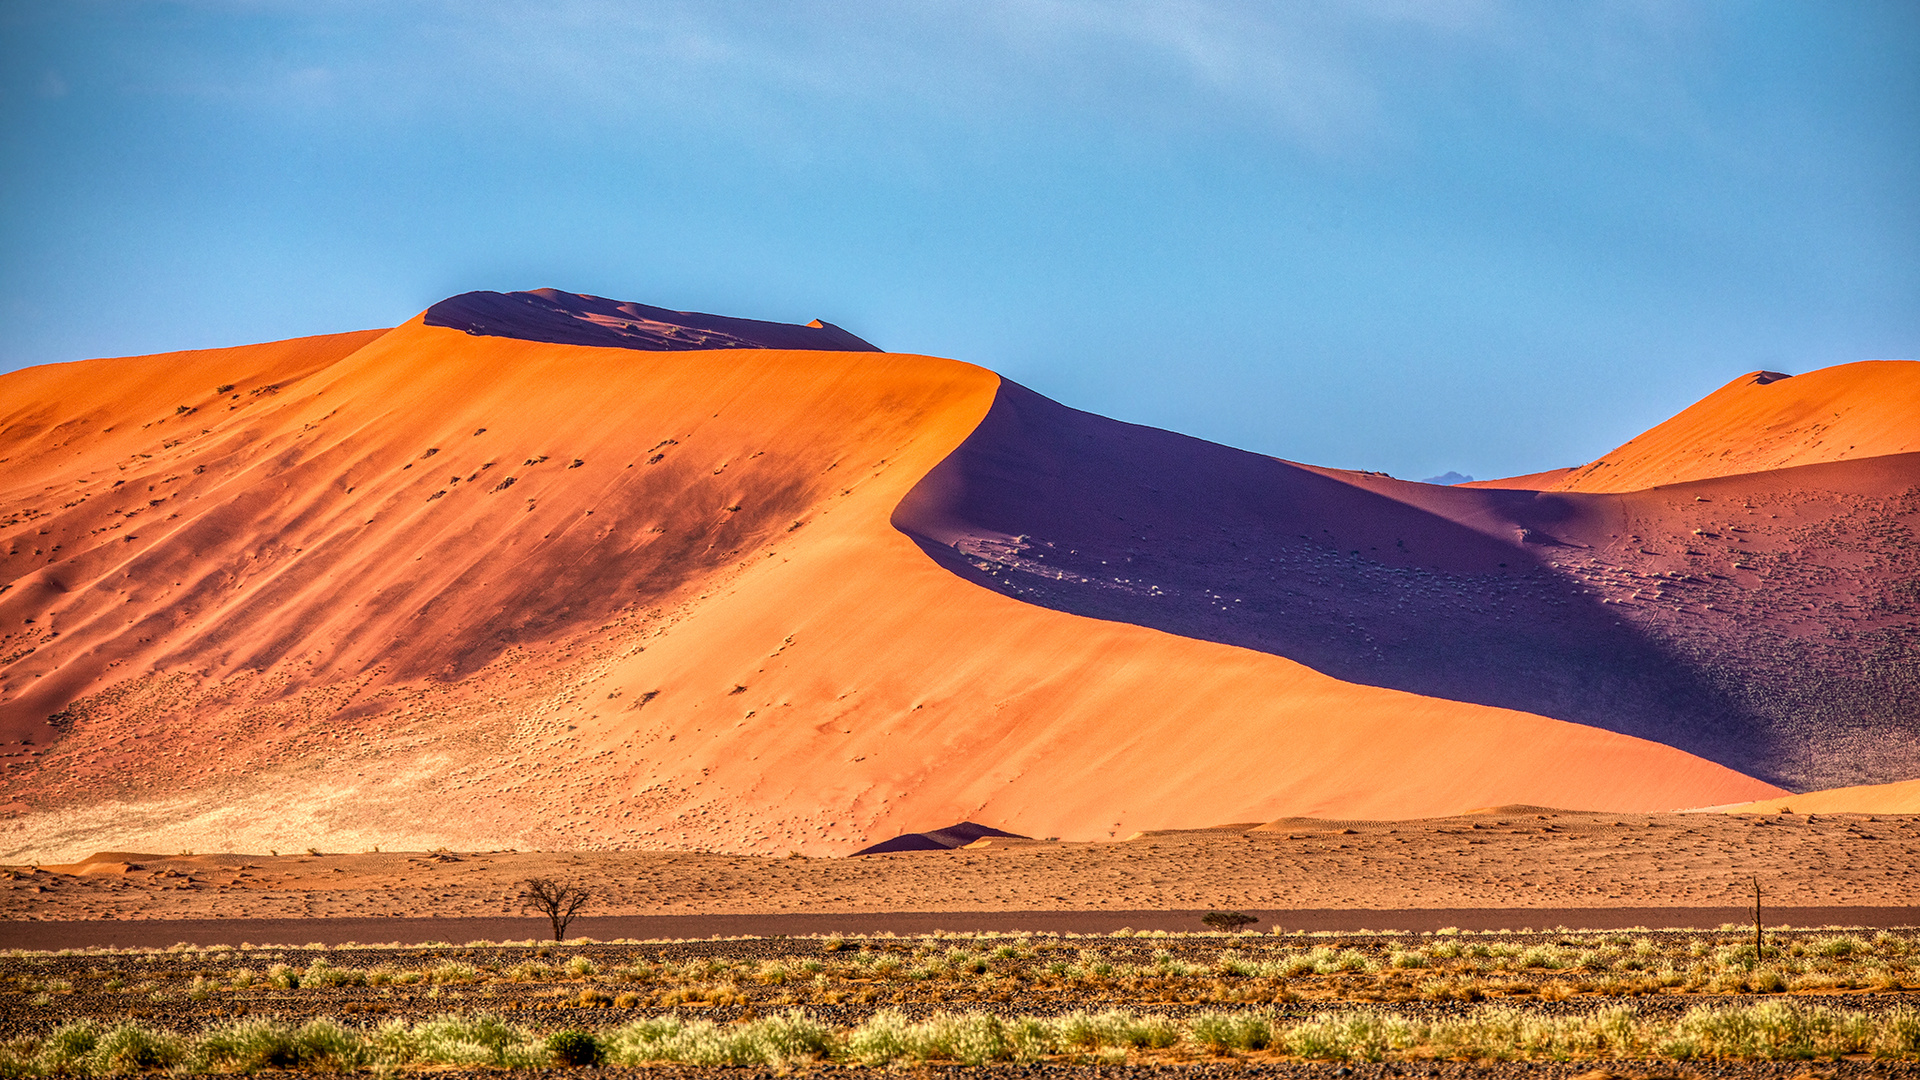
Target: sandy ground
(166, 933)
(1523, 860)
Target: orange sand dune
(475, 591)
(1902, 797)
(1765, 621)
(1765, 420)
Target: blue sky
(1413, 236)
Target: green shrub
(460, 1040)
(574, 1048)
(1365, 1036)
(320, 973)
(1113, 1028)
(1545, 956)
(129, 1048)
(67, 1048)
(1223, 1031)
(886, 1037)
(774, 1041)
(1767, 981)
(451, 973)
(1598, 960)
(247, 1045)
(1839, 948)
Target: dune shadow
(1091, 516)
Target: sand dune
(1902, 797)
(953, 836)
(482, 592)
(1763, 621)
(1765, 420)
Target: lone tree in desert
(559, 901)
(1228, 921)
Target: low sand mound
(1765, 420)
(1765, 621)
(953, 836)
(1902, 797)
(466, 590)
(565, 318)
(1540, 481)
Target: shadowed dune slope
(1766, 420)
(565, 318)
(481, 592)
(1767, 621)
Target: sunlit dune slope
(1766, 621)
(1765, 420)
(469, 590)
(1901, 797)
(405, 512)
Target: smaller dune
(1902, 797)
(953, 836)
(1765, 420)
(1540, 481)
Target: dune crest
(565, 318)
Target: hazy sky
(1412, 236)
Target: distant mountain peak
(564, 318)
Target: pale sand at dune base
(1898, 798)
(1513, 858)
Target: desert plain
(1517, 859)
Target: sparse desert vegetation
(1149, 998)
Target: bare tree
(559, 901)
(1229, 921)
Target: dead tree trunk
(559, 901)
